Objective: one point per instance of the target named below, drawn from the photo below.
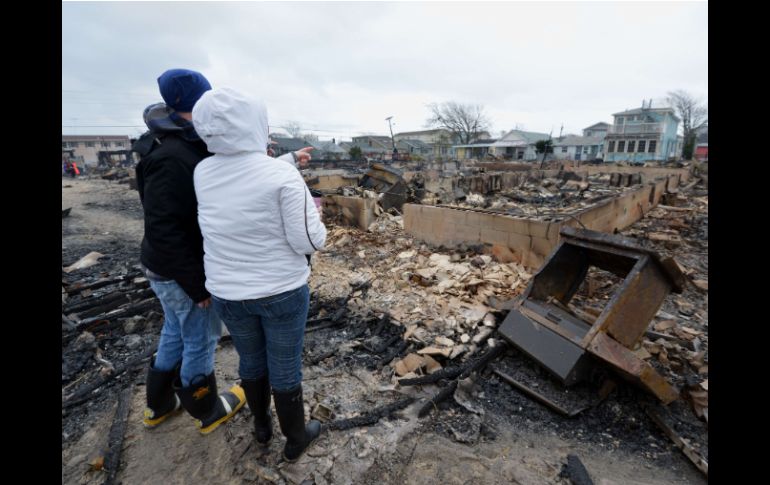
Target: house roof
(327, 146)
(477, 144)
(516, 138)
(638, 111)
(423, 132)
(416, 144)
(600, 124)
(290, 144)
(573, 140)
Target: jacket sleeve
(301, 221)
(171, 225)
(288, 157)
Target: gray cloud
(342, 67)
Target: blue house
(641, 135)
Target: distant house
(642, 134)
(328, 150)
(597, 130)
(374, 146)
(88, 147)
(440, 140)
(477, 149)
(518, 145)
(573, 147)
(414, 147)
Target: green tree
(355, 153)
(544, 147)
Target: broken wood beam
(131, 310)
(116, 436)
(74, 288)
(89, 304)
(445, 373)
(370, 417)
(468, 369)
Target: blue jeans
(268, 334)
(189, 333)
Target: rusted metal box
(542, 325)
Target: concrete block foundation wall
(352, 211)
(529, 241)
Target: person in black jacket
(182, 371)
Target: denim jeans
(268, 334)
(189, 333)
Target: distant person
(259, 222)
(182, 371)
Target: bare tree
(464, 121)
(693, 113)
(293, 128)
(309, 137)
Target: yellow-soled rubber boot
(209, 408)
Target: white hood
(256, 214)
(231, 122)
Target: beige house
(439, 140)
(89, 146)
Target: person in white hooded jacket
(259, 222)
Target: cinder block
(492, 236)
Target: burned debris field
(468, 324)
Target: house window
(119, 144)
(64, 144)
(564, 149)
(90, 144)
(642, 144)
(105, 144)
(585, 149)
(631, 146)
(621, 146)
(611, 146)
(619, 120)
(653, 146)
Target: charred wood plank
(75, 288)
(462, 371)
(370, 417)
(116, 436)
(439, 397)
(131, 310)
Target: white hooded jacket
(255, 212)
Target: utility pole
(393, 140)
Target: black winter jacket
(173, 245)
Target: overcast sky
(340, 68)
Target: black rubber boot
(291, 416)
(161, 400)
(258, 397)
(203, 403)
